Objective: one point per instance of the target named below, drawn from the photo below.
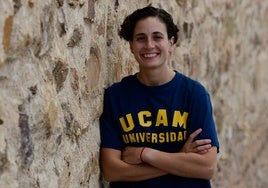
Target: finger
(193, 135)
(202, 152)
(202, 148)
(201, 142)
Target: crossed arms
(197, 159)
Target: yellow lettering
(154, 138)
(179, 119)
(161, 137)
(167, 137)
(130, 125)
(180, 136)
(125, 138)
(132, 138)
(142, 115)
(142, 137)
(172, 137)
(185, 134)
(161, 118)
(148, 137)
(137, 138)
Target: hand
(199, 146)
(131, 155)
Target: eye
(140, 39)
(158, 37)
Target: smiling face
(151, 46)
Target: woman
(157, 127)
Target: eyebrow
(154, 33)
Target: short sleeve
(110, 137)
(202, 117)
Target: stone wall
(57, 56)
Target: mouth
(149, 55)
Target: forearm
(183, 164)
(114, 169)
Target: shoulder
(191, 85)
(122, 85)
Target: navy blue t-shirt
(159, 117)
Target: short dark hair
(128, 26)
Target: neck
(156, 78)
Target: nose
(149, 43)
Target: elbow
(210, 167)
(108, 176)
(111, 175)
(210, 171)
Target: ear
(171, 41)
(171, 44)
